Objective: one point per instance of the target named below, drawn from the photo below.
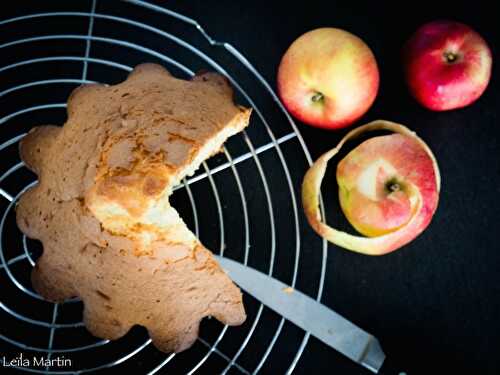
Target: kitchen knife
(308, 314)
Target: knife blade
(308, 314)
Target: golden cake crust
(101, 205)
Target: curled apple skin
(388, 189)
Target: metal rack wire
(231, 163)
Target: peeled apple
(388, 189)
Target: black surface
(434, 305)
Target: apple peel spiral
(388, 189)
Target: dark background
(435, 304)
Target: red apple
(447, 65)
(328, 78)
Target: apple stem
(317, 97)
(394, 187)
(450, 57)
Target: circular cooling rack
(243, 203)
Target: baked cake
(101, 206)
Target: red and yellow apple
(328, 78)
(447, 65)
(388, 190)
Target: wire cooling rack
(243, 203)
